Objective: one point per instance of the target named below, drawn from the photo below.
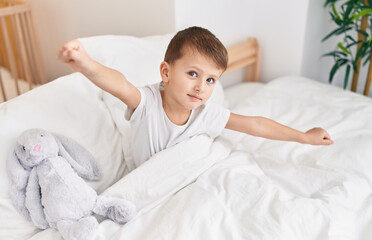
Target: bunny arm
(18, 197)
(80, 170)
(33, 201)
(19, 178)
(79, 158)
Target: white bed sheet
(244, 187)
(235, 94)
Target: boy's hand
(318, 136)
(74, 54)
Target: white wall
(279, 29)
(59, 21)
(289, 31)
(278, 25)
(318, 25)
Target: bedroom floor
(9, 85)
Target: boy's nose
(199, 87)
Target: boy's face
(190, 80)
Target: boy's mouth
(193, 97)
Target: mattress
(239, 186)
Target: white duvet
(244, 187)
(268, 189)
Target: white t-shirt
(152, 131)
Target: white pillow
(139, 60)
(236, 94)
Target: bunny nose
(37, 148)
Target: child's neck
(177, 115)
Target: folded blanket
(169, 171)
(157, 180)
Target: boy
(164, 114)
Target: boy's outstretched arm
(110, 80)
(267, 128)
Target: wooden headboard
(245, 54)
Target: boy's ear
(164, 71)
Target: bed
(233, 187)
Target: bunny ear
(80, 159)
(18, 178)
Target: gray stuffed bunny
(45, 170)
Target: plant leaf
(339, 22)
(335, 12)
(369, 3)
(329, 2)
(361, 51)
(362, 32)
(346, 79)
(362, 13)
(337, 31)
(351, 44)
(351, 38)
(367, 59)
(332, 54)
(349, 7)
(343, 48)
(339, 63)
(335, 54)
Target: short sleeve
(147, 97)
(216, 118)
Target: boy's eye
(192, 74)
(210, 80)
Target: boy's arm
(110, 80)
(267, 128)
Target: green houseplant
(351, 18)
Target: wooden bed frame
(245, 54)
